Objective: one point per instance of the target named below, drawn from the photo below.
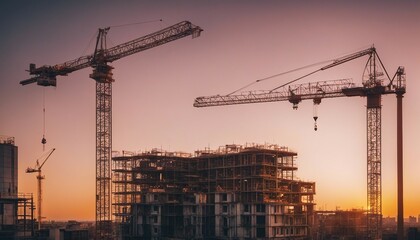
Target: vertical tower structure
(103, 150)
(102, 74)
(8, 167)
(8, 187)
(400, 91)
(374, 185)
(373, 89)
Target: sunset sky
(154, 90)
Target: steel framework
(40, 177)
(373, 88)
(293, 94)
(374, 182)
(102, 74)
(373, 83)
(210, 194)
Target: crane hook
(317, 101)
(43, 140)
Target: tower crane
(373, 87)
(102, 73)
(38, 169)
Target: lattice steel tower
(373, 85)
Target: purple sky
(154, 90)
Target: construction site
(249, 191)
(234, 192)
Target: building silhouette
(16, 209)
(234, 192)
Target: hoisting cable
(297, 79)
(280, 74)
(136, 23)
(43, 141)
(89, 44)
(130, 24)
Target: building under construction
(16, 209)
(234, 192)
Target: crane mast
(373, 88)
(102, 74)
(40, 177)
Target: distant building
(70, 230)
(389, 221)
(16, 210)
(412, 220)
(8, 168)
(74, 234)
(235, 192)
(389, 228)
(340, 224)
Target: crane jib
(46, 75)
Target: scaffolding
(17, 217)
(25, 216)
(236, 191)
